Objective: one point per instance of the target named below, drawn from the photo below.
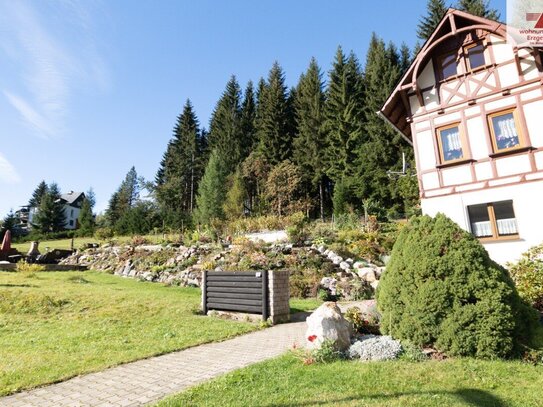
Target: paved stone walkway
(149, 380)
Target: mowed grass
(57, 325)
(304, 304)
(80, 241)
(287, 382)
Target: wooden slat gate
(238, 291)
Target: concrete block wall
(278, 295)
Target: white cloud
(31, 116)
(8, 174)
(54, 53)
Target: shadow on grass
(19, 285)
(471, 397)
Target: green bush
(303, 286)
(441, 289)
(103, 233)
(527, 274)
(297, 231)
(322, 233)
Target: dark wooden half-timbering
(239, 291)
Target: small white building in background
(471, 104)
(72, 207)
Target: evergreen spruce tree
(344, 119)
(435, 10)
(125, 198)
(273, 118)
(9, 222)
(248, 117)
(341, 198)
(211, 192)
(225, 130)
(91, 197)
(309, 143)
(50, 216)
(405, 58)
(112, 212)
(86, 219)
(479, 8)
(383, 148)
(129, 191)
(38, 194)
(182, 164)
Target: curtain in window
(506, 125)
(452, 139)
(451, 143)
(507, 226)
(481, 229)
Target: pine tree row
(279, 150)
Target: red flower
(311, 338)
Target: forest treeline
(318, 147)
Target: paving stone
(149, 380)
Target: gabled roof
(396, 108)
(71, 197)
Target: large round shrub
(441, 289)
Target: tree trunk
(192, 183)
(321, 198)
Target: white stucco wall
(526, 204)
(72, 214)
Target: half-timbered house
(471, 104)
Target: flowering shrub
(371, 347)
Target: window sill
(510, 238)
(456, 162)
(515, 150)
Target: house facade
(72, 202)
(471, 104)
(72, 207)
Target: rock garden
(441, 296)
(329, 263)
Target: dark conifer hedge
(441, 289)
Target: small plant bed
(57, 325)
(286, 382)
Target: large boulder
(327, 322)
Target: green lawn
(80, 241)
(57, 325)
(286, 382)
(304, 304)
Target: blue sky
(89, 88)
